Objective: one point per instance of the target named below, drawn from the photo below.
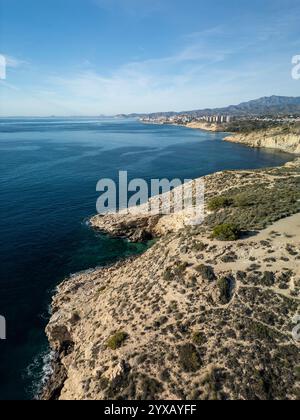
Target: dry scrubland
(205, 313)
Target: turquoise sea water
(49, 169)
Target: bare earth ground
(194, 317)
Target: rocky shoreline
(193, 317)
(197, 125)
(272, 138)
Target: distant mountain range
(272, 105)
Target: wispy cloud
(214, 66)
(184, 78)
(5, 84)
(13, 62)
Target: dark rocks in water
(63, 345)
(56, 381)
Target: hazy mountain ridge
(265, 105)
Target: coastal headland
(206, 313)
(274, 138)
(283, 135)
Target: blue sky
(91, 57)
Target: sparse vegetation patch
(254, 207)
(220, 202)
(206, 272)
(189, 358)
(224, 286)
(199, 338)
(117, 340)
(226, 232)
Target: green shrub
(211, 383)
(150, 388)
(206, 272)
(297, 373)
(243, 200)
(168, 274)
(226, 232)
(268, 279)
(198, 246)
(199, 338)
(117, 340)
(103, 383)
(224, 286)
(218, 203)
(189, 358)
(261, 331)
(177, 270)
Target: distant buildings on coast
(186, 119)
(217, 119)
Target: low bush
(168, 274)
(189, 358)
(206, 272)
(268, 279)
(117, 340)
(297, 373)
(198, 246)
(199, 338)
(226, 232)
(180, 268)
(243, 200)
(261, 332)
(220, 202)
(150, 388)
(224, 286)
(175, 271)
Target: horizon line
(146, 113)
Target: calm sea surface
(49, 169)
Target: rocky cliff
(194, 317)
(273, 138)
(206, 126)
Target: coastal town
(185, 119)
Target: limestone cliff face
(272, 138)
(205, 126)
(193, 317)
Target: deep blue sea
(49, 169)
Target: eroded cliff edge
(194, 317)
(274, 138)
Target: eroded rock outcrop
(272, 138)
